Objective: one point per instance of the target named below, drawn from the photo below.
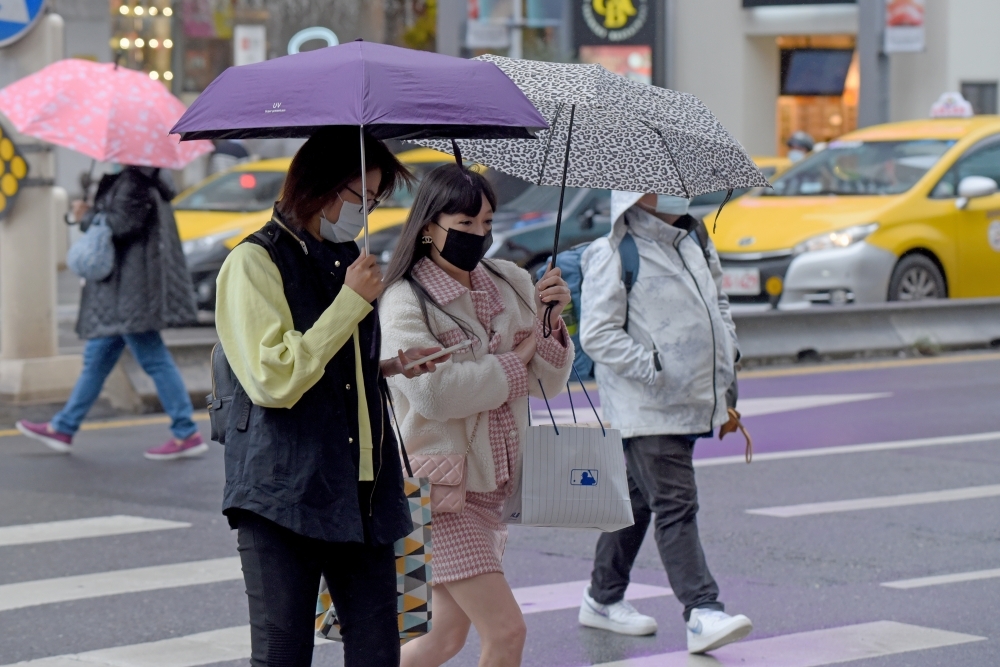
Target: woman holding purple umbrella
(313, 481)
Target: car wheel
(916, 278)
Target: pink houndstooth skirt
(472, 542)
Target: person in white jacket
(664, 356)
(442, 292)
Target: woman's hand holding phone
(398, 366)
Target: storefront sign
(17, 18)
(904, 26)
(773, 3)
(614, 22)
(249, 44)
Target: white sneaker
(709, 629)
(620, 617)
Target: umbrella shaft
(562, 191)
(364, 186)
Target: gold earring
(426, 240)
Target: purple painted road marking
(812, 649)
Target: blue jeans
(99, 358)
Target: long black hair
(447, 190)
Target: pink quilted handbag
(448, 475)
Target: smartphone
(437, 355)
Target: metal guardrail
(878, 328)
(768, 336)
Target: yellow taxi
(222, 210)
(901, 211)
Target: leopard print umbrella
(625, 135)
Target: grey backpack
(220, 401)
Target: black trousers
(282, 571)
(661, 481)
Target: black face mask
(464, 250)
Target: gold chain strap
(475, 429)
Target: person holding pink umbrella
(119, 115)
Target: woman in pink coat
(442, 292)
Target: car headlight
(838, 239)
(204, 244)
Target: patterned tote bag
(413, 569)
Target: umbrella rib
(680, 176)
(548, 144)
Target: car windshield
(241, 191)
(534, 203)
(403, 197)
(861, 168)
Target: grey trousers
(661, 482)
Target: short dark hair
(326, 163)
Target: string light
(168, 43)
(154, 75)
(153, 43)
(152, 11)
(138, 10)
(139, 43)
(123, 9)
(168, 75)
(167, 11)
(123, 42)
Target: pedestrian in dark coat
(148, 290)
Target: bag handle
(399, 432)
(587, 394)
(573, 409)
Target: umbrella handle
(364, 186)
(547, 321)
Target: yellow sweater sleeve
(276, 364)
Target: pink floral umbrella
(106, 112)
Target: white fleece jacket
(437, 411)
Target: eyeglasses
(374, 205)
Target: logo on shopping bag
(583, 477)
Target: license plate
(741, 282)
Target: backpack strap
(700, 234)
(629, 253)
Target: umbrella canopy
(392, 92)
(623, 135)
(106, 112)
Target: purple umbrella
(390, 91)
(386, 91)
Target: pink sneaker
(60, 442)
(178, 449)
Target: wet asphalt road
(814, 572)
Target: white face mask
(672, 205)
(349, 224)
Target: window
(982, 96)
(242, 191)
(861, 168)
(982, 160)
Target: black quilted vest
(298, 467)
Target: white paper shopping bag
(571, 477)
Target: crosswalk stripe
(814, 648)
(803, 649)
(878, 502)
(203, 648)
(117, 582)
(569, 595)
(75, 529)
(851, 449)
(939, 579)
